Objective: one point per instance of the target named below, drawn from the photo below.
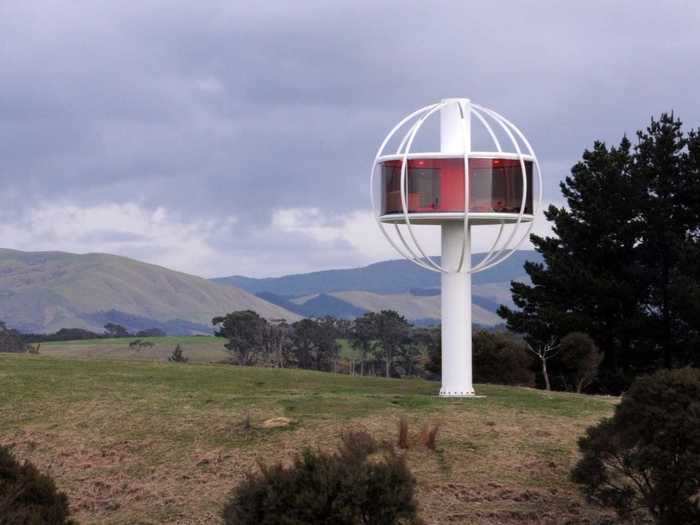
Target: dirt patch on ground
(277, 422)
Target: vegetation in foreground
(645, 461)
(154, 442)
(27, 496)
(347, 487)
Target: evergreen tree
(622, 266)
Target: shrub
(357, 443)
(580, 357)
(11, 340)
(28, 496)
(428, 436)
(500, 358)
(177, 356)
(647, 456)
(344, 488)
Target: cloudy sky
(227, 137)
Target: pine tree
(622, 266)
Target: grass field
(198, 349)
(148, 442)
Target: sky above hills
(220, 137)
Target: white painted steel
(455, 304)
(485, 263)
(536, 204)
(440, 155)
(456, 267)
(371, 186)
(404, 172)
(475, 218)
(456, 286)
(466, 125)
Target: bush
(345, 488)
(500, 358)
(11, 340)
(580, 357)
(27, 496)
(177, 356)
(647, 456)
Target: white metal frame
(496, 253)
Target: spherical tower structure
(495, 187)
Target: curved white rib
(371, 185)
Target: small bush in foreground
(646, 458)
(28, 497)
(344, 488)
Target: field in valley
(198, 349)
(149, 442)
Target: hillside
(395, 276)
(46, 291)
(154, 443)
(398, 285)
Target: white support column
(456, 286)
(456, 315)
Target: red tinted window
(437, 185)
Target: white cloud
(152, 235)
(295, 240)
(359, 230)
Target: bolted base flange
(458, 394)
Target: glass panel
(437, 185)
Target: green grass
(175, 434)
(199, 349)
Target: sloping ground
(163, 443)
(46, 291)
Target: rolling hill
(398, 285)
(46, 291)
(395, 276)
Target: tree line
(111, 331)
(381, 344)
(385, 344)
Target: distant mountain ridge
(397, 284)
(394, 276)
(46, 291)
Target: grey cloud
(224, 108)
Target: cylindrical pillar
(455, 138)
(456, 314)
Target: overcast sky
(229, 137)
